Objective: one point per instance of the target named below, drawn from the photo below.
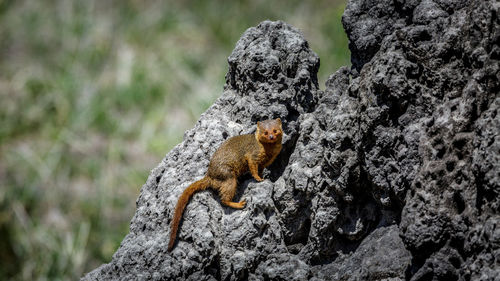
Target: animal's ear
(279, 120)
(259, 124)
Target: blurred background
(93, 94)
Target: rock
(392, 172)
(272, 74)
(380, 256)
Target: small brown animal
(236, 156)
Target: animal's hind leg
(227, 190)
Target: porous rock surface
(391, 173)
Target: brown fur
(235, 156)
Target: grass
(94, 94)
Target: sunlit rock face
(392, 172)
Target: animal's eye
(265, 133)
(274, 131)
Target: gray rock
(392, 172)
(272, 74)
(374, 259)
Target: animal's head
(269, 131)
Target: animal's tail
(181, 204)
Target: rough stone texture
(392, 172)
(372, 260)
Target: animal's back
(230, 157)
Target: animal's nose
(271, 137)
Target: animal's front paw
(242, 204)
(257, 178)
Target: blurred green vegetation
(94, 94)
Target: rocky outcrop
(392, 172)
